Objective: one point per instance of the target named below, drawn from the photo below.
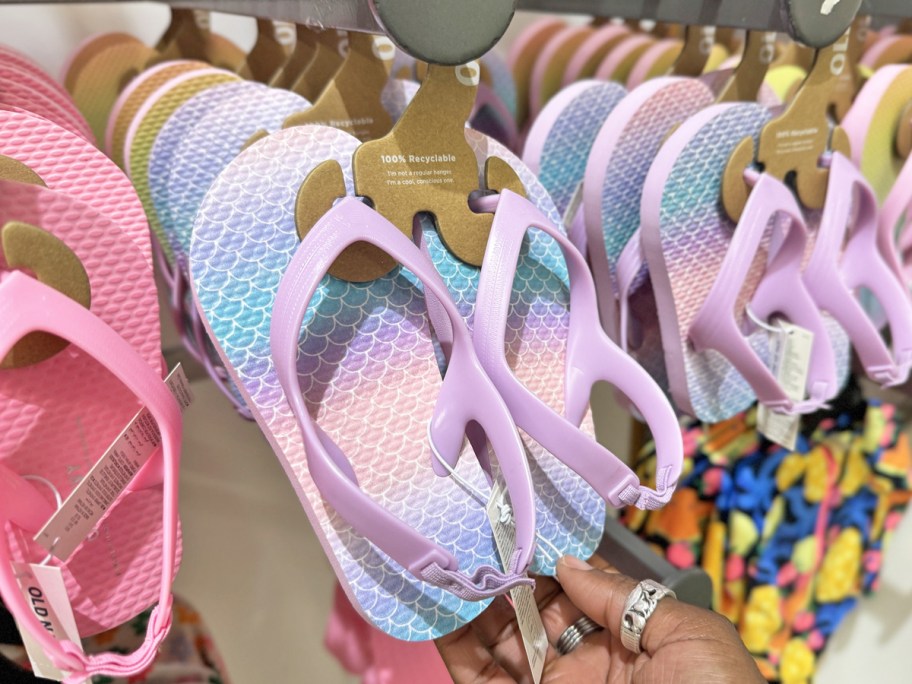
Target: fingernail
(574, 563)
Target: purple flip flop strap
(897, 204)
(466, 395)
(630, 265)
(860, 265)
(782, 291)
(591, 357)
(27, 306)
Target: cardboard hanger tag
(423, 165)
(744, 84)
(352, 100)
(330, 50)
(109, 477)
(267, 55)
(698, 45)
(303, 54)
(849, 80)
(792, 144)
(54, 264)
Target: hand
(682, 644)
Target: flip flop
(77, 169)
(497, 75)
(494, 113)
(217, 136)
(492, 118)
(848, 237)
(368, 340)
(872, 124)
(58, 435)
(98, 75)
(145, 127)
(24, 507)
(592, 52)
(623, 57)
(569, 512)
(659, 59)
(86, 50)
(218, 128)
(521, 60)
(551, 64)
(134, 96)
(342, 227)
(560, 141)
(22, 61)
(21, 88)
(161, 161)
(706, 273)
(623, 151)
(896, 49)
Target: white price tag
(791, 354)
(535, 639)
(44, 590)
(104, 483)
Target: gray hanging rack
(457, 31)
(438, 31)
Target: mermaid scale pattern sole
(366, 361)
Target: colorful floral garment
(791, 540)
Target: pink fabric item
(377, 657)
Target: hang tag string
(763, 324)
(57, 499)
(505, 509)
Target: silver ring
(640, 605)
(574, 634)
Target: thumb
(602, 595)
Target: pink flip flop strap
(591, 357)
(26, 306)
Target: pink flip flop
(20, 88)
(66, 410)
(872, 124)
(77, 169)
(551, 64)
